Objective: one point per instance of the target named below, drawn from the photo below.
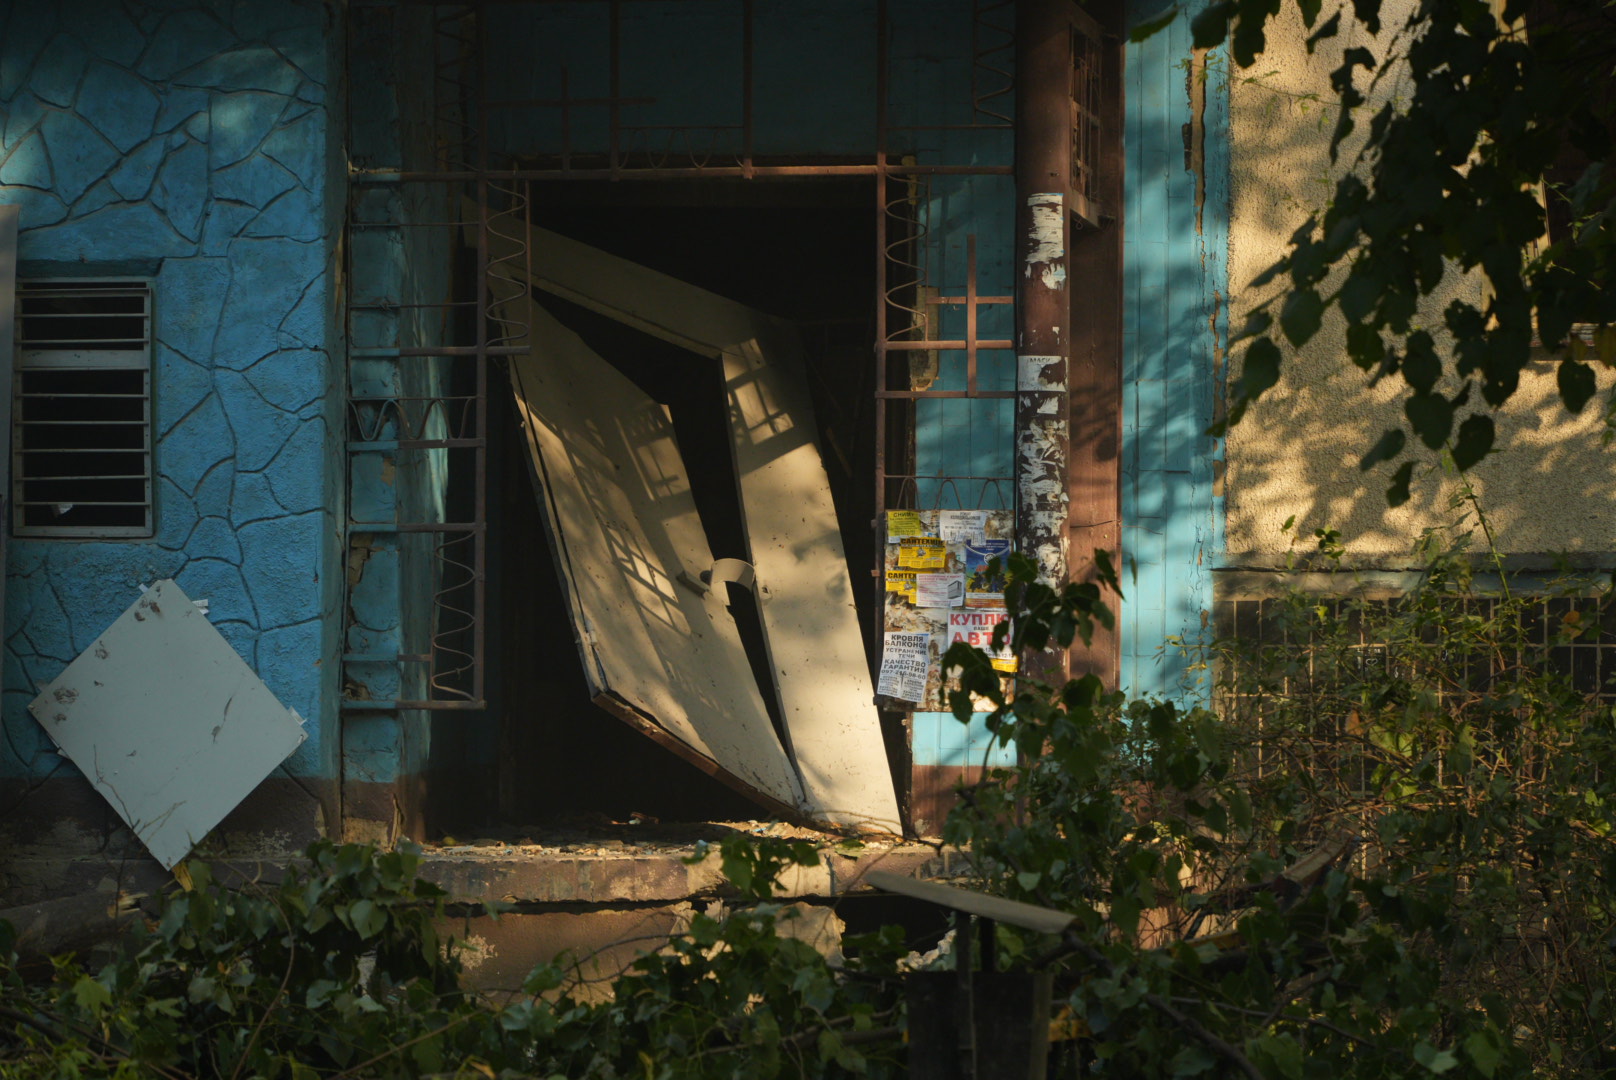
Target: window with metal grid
(81, 436)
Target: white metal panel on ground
(625, 526)
(809, 621)
(167, 721)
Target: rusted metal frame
(971, 343)
(880, 168)
(980, 54)
(937, 345)
(1043, 177)
(446, 351)
(915, 395)
(879, 525)
(479, 628)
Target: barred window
(81, 435)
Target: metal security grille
(81, 431)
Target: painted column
(1043, 176)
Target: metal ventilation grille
(81, 429)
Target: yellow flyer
(902, 523)
(922, 553)
(902, 582)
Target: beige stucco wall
(1552, 486)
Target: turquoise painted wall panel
(1174, 281)
(940, 739)
(189, 145)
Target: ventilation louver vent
(81, 429)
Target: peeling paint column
(1043, 225)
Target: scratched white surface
(167, 721)
(810, 624)
(619, 500)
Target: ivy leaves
(1446, 182)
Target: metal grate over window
(82, 410)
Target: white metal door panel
(811, 624)
(625, 527)
(809, 621)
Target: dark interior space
(804, 251)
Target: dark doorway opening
(803, 250)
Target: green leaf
(90, 996)
(1482, 1049)
(1191, 1060)
(367, 919)
(1388, 446)
(1437, 1061)
(1149, 27)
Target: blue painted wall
(1173, 323)
(396, 272)
(188, 142)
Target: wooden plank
(1094, 467)
(808, 615)
(617, 497)
(1040, 920)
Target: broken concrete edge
(548, 878)
(662, 876)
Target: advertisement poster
(962, 526)
(905, 659)
(902, 523)
(984, 589)
(939, 590)
(902, 582)
(976, 628)
(922, 553)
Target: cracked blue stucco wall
(190, 143)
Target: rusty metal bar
(970, 313)
(985, 59)
(879, 524)
(912, 395)
(881, 167)
(479, 541)
(935, 345)
(1043, 167)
